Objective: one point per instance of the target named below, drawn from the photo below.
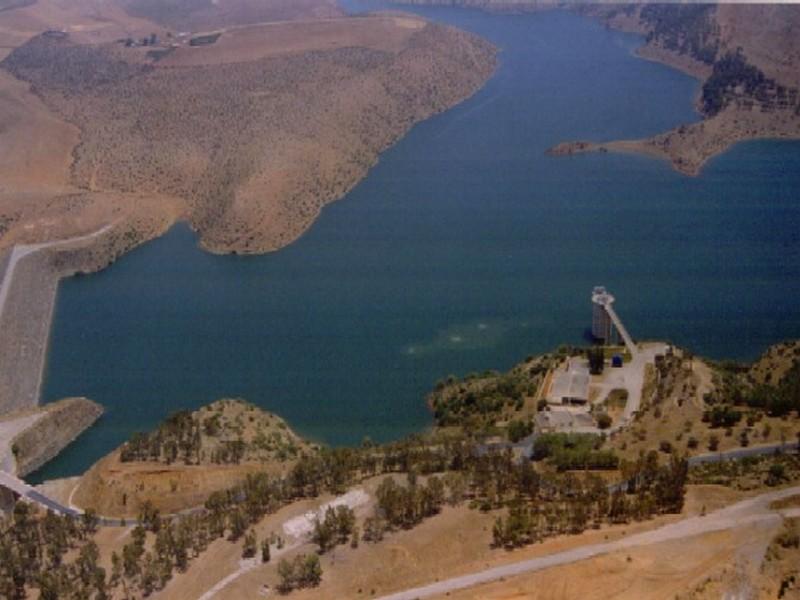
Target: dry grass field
(676, 417)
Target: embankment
(32, 284)
(25, 323)
(59, 424)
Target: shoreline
(27, 304)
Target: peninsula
(746, 57)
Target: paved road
(24, 490)
(753, 510)
(740, 453)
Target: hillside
(256, 132)
(378, 519)
(200, 15)
(747, 58)
(190, 456)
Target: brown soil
(116, 489)
(790, 502)
(780, 577)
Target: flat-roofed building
(570, 385)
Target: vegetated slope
(256, 148)
(189, 456)
(748, 58)
(197, 15)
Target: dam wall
(24, 331)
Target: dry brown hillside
(769, 35)
(199, 15)
(747, 57)
(257, 145)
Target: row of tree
(650, 490)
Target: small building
(570, 385)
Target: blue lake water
(465, 248)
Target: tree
(597, 359)
(603, 421)
(149, 516)
(249, 546)
(302, 572)
(286, 575)
(265, 553)
(310, 571)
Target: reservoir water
(466, 248)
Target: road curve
(752, 510)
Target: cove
(465, 248)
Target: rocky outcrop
(60, 424)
